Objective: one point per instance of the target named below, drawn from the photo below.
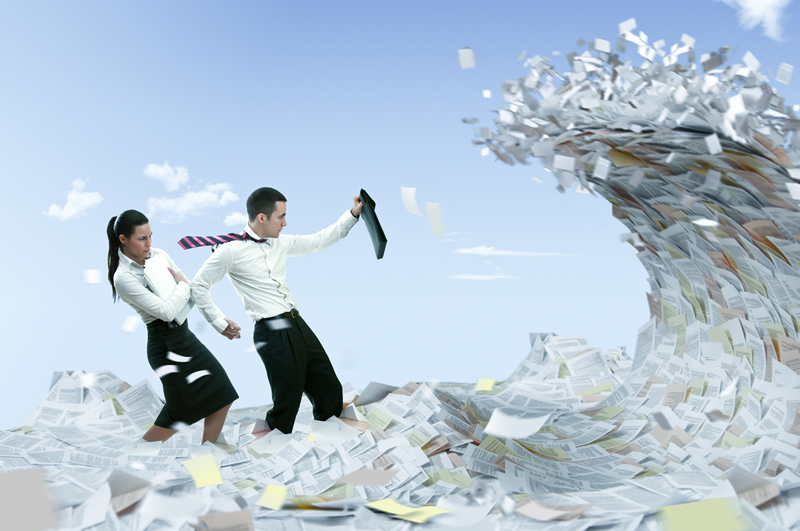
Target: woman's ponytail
(113, 255)
(123, 225)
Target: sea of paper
(699, 429)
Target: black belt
(158, 324)
(285, 315)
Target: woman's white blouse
(131, 288)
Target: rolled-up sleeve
(132, 291)
(300, 245)
(211, 272)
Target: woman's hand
(179, 277)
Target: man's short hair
(262, 201)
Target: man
(292, 354)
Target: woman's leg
(157, 433)
(212, 424)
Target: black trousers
(296, 363)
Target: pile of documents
(701, 168)
(699, 430)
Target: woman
(208, 397)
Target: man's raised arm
(310, 243)
(211, 272)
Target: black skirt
(187, 402)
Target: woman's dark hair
(123, 225)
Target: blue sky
(318, 100)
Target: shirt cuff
(349, 220)
(220, 324)
(184, 290)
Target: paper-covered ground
(700, 431)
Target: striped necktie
(190, 242)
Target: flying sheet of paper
(547, 511)
(165, 370)
(388, 505)
(273, 497)
(720, 514)
(484, 384)
(24, 502)
(373, 392)
(435, 219)
(712, 142)
(466, 57)
(204, 470)
(232, 521)
(131, 323)
(177, 358)
(784, 74)
(751, 61)
(368, 476)
(487, 94)
(504, 425)
(126, 489)
(421, 515)
(92, 276)
(409, 196)
(196, 375)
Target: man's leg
(321, 384)
(285, 370)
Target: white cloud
(766, 13)
(480, 277)
(491, 251)
(236, 219)
(175, 209)
(172, 177)
(78, 202)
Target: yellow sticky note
(204, 470)
(388, 505)
(422, 515)
(272, 497)
(378, 419)
(720, 514)
(484, 384)
(310, 437)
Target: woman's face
(137, 246)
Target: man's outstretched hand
(232, 332)
(358, 206)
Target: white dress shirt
(131, 287)
(258, 271)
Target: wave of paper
(700, 167)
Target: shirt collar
(127, 262)
(255, 236)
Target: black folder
(373, 225)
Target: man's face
(276, 222)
